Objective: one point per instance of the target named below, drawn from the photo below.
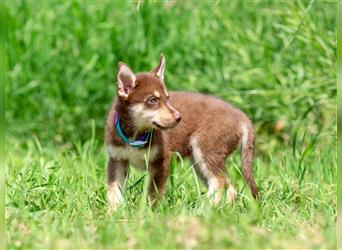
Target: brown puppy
(205, 128)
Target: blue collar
(140, 142)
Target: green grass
(275, 61)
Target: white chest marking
(136, 157)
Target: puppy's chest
(136, 157)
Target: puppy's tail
(247, 152)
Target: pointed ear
(159, 70)
(125, 80)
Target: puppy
(146, 123)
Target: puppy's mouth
(161, 127)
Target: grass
(57, 199)
(275, 61)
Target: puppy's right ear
(125, 81)
(159, 70)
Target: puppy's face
(147, 98)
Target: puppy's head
(146, 97)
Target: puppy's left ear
(125, 81)
(159, 70)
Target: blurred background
(276, 62)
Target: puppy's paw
(115, 199)
(231, 194)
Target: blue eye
(152, 100)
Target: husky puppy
(146, 123)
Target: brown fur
(210, 124)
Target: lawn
(275, 61)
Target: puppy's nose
(178, 118)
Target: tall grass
(275, 61)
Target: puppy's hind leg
(210, 166)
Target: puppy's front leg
(159, 171)
(117, 173)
